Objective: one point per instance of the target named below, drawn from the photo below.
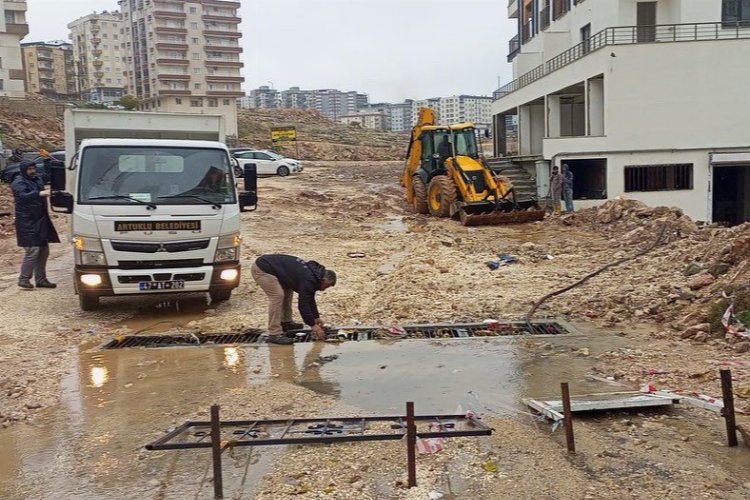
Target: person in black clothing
(34, 229)
(279, 276)
(444, 150)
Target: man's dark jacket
(34, 228)
(304, 277)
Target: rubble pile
(30, 132)
(318, 138)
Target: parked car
(269, 163)
(12, 170)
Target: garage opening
(589, 178)
(731, 194)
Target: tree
(129, 102)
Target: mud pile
(318, 138)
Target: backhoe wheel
(440, 195)
(420, 196)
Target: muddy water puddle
(166, 315)
(114, 402)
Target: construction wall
(30, 107)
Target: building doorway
(646, 21)
(589, 178)
(731, 194)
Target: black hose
(541, 301)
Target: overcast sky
(389, 49)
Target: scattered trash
(356, 255)
(504, 260)
(654, 371)
(434, 495)
(549, 257)
(490, 466)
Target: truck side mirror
(251, 177)
(249, 198)
(61, 202)
(56, 174)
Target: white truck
(154, 204)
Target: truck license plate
(161, 285)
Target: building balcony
(169, 14)
(223, 48)
(225, 79)
(171, 46)
(222, 3)
(95, 29)
(174, 77)
(629, 35)
(98, 75)
(179, 62)
(514, 47)
(226, 93)
(97, 63)
(17, 29)
(222, 19)
(97, 52)
(169, 30)
(174, 92)
(96, 40)
(44, 56)
(15, 5)
(513, 9)
(221, 33)
(225, 64)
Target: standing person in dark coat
(279, 276)
(567, 187)
(34, 228)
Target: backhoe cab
(446, 176)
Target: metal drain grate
(357, 334)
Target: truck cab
(152, 216)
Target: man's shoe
(46, 284)
(289, 326)
(279, 339)
(25, 284)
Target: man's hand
(319, 322)
(318, 332)
(44, 193)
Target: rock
(719, 269)
(701, 281)
(695, 330)
(692, 269)
(742, 347)
(701, 337)
(446, 243)
(528, 246)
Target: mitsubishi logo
(161, 248)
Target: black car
(12, 170)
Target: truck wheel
(88, 302)
(283, 171)
(441, 193)
(420, 196)
(220, 295)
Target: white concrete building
(374, 120)
(13, 28)
(466, 108)
(100, 60)
(643, 99)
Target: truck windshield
(127, 175)
(466, 143)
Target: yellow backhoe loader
(446, 176)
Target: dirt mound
(318, 138)
(26, 131)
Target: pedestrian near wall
(279, 276)
(34, 228)
(556, 187)
(567, 187)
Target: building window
(196, 103)
(2, 84)
(197, 86)
(735, 12)
(178, 100)
(213, 103)
(196, 71)
(226, 102)
(194, 26)
(658, 177)
(196, 55)
(195, 40)
(193, 10)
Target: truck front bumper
(115, 281)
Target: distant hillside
(318, 137)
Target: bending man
(279, 276)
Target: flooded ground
(74, 419)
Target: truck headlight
(89, 251)
(228, 248)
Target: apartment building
(334, 103)
(466, 108)
(99, 58)
(13, 28)
(295, 98)
(184, 56)
(645, 99)
(264, 97)
(374, 120)
(49, 69)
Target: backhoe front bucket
(506, 213)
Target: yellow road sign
(284, 134)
